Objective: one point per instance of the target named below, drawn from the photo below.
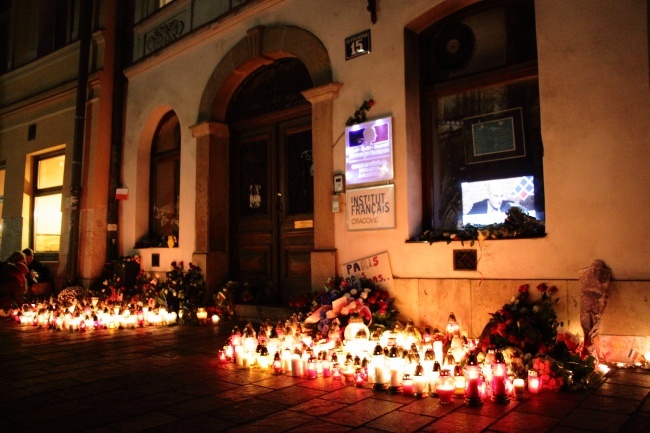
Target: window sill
(517, 225)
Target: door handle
(280, 206)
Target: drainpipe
(117, 116)
(85, 17)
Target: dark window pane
(300, 174)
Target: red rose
(523, 288)
(553, 290)
(542, 287)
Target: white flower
(353, 292)
(536, 308)
(364, 295)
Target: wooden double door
(272, 205)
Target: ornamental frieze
(164, 34)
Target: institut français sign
(370, 208)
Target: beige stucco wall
(595, 99)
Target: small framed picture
(494, 136)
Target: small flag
(121, 193)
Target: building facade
(235, 132)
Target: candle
(407, 385)
(395, 377)
(239, 355)
(499, 392)
(202, 315)
(437, 350)
(459, 386)
(360, 377)
(446, 393)
(419, 381)
(327, 369)
(473, 388)
(277, 363)
(296, 365)
(311, 368)
(533, 382)
(518, 387)
(336, 371)
(498, 385)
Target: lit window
(47, 203)
(165, 179)
(2, 199)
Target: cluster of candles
(95, 314)
(398, 361)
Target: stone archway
(262, 46)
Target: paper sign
(619, 348)
(375, 268)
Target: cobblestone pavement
(167, 379)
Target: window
(165, 180)
(481, 121)
(58, 25)
(5, 13)
(2, 199)
(47, 203)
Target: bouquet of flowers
(525, 323)
(70, 296)
(526, 331)
(333, 307)
(182, 291)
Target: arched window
(165, 180)
(481, 130)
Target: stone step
(259, 313)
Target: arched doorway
(271, 215)
(261, 47)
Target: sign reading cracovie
(371, 208)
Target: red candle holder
(360, 377)
(499, 392)
(472, 382)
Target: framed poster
(369, 152)
(494, 136)
(370, 208)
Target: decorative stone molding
(164, 35)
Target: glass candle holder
(445, 387)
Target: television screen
(487, 201)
